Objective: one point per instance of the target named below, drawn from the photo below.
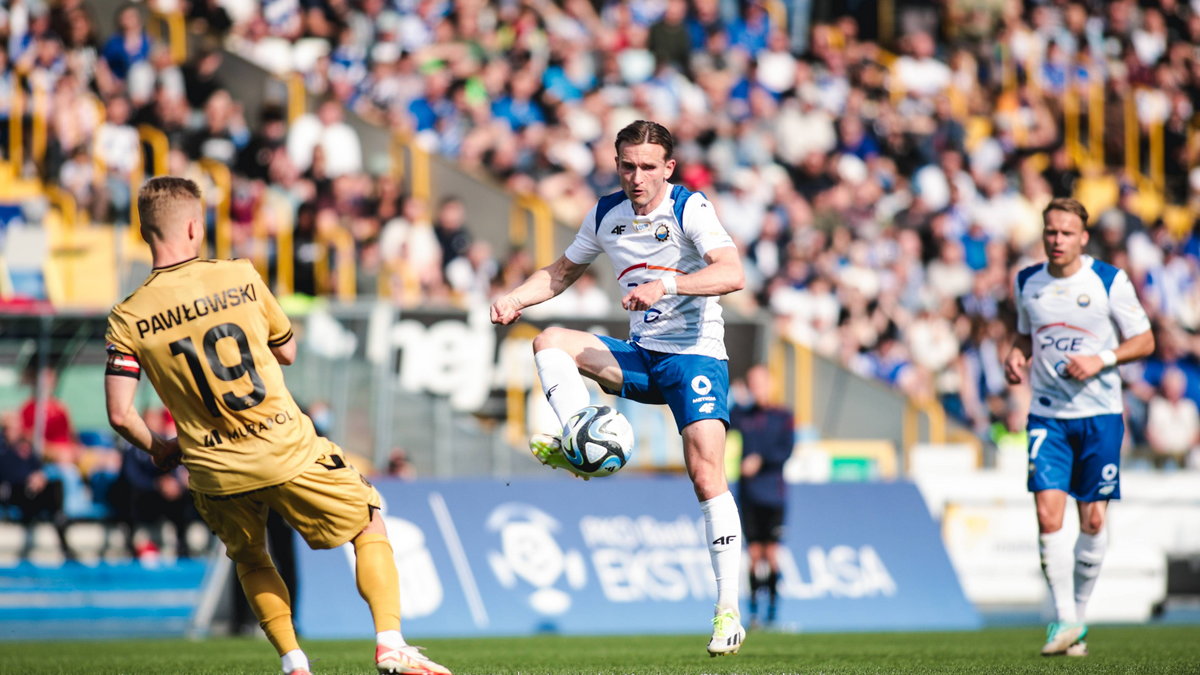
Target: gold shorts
(329, 504)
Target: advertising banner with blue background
(628, 555)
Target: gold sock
(378, 581)
(269, 598)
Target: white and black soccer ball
(598, 441)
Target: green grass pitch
(1157, 649)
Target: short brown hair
(1069, 205)
(160, 196)
(645, 131)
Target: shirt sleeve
(122, 360)
(586, 246)
(279, 327)
(1125, 308)
(700, 224)
(1022, 313)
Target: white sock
(1057, 561)
(1089, 553)
(562, 383)
(390, 639)
(294, 660)
(723, 528)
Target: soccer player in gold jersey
(211, 337)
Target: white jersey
(1079, 314)
(673, 239)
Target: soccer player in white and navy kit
(1069, 312)
(673, 258)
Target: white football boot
(728, 634)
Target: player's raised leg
(704, 452)
(563, 356)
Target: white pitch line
(458, 557)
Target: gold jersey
(203, 330)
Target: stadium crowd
(883, 199)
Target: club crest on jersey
(662, 233)
(1084, 300)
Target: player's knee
(1092, 523)
(248, 561)
(1049, 520)
(554, 337)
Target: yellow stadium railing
(531, 213)
(38, 127)
(514, 390)
(936, 418)
(16, 126)
(1157, 158)
(285, 256)
(176, 33)
(66, 205)
(1133, 136)
(297, 97)
(223, 231)
(337, 243)
(1071, 138)
(1096, 123)
(159, 148)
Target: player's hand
(505, 310)
(165, 453)
(1014, 366)
(1084, 366)
(643, 296)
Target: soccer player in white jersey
(1069, 310)
(673, 258)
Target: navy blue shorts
(694, 386)
(1079, 456)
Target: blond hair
(1066, 205)
(162, 200)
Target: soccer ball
(598, 441)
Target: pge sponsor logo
(1069, 345)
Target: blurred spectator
(130, 45)
(44, 419)
(325, 130)
(145, 495)
(119, 151)
(399, 466)
(450, 227)
(1173, 426)
(26, 487)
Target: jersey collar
(181, 263)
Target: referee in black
(767, 437)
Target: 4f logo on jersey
(619, 229)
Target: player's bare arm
(124, 418)
(1084, 366)
(1018, 359)
(722, 275)
(538, 288)
(285, 353)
